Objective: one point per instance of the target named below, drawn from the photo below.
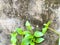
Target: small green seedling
(28, 25)
(29, 38)
(44, 29)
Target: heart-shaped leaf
(38, 34)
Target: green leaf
(47, 24)
(28, 26)
(33, 39)
(13, 37)
(25, 41)
(44, 30)
(59, 40)
(13, 44)
(38, 34)
(32, 43)
(27, 23)
(19, 30)
(13, 40)
(14, 34)
(28, 36)
(39, 40)
(46, 27)
(26, 32)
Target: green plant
(29, 38)
(44, 29)
(13, 38)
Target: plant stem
(54, 31)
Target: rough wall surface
(14, 13)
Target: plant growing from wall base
(29, 38)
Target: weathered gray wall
(14, 13)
